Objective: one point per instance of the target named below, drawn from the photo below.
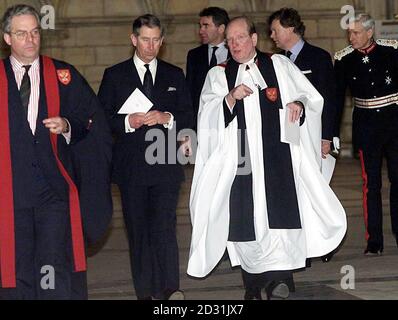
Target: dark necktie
(25, 88)
(148, 82)
(213, 60)
(288, 54)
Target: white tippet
(322, 216)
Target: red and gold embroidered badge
(272, 94)
(64, 76)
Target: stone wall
(94, 34)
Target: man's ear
(370, 33)
(221, 29)
(254, 39)
(133, 39)
(7, 38)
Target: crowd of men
(265, 123)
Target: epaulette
(388, 43)
(342, 53)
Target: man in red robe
(46, 150)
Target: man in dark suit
(48, 113)
(287, 30)
(149, 189)
(213, 21)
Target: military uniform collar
(368, 49)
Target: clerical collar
(368, 49)
(252, 60)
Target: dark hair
(251, 28)
(147, 20)
(288, 17)
(17, 10)
(219, 15)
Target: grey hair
(366, 20)
(147, 20)
(17, 10)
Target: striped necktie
(25, 89)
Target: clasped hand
(152, 118)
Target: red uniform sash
(7, 235)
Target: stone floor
(373, 278)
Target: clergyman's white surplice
(322, 216)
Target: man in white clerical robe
(257, 189)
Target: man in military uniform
(370, 69)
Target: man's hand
(56, 125)
(152, 118)
(239, 93)
(325, 148)
(136, 120)
(295, 111)
(186, 147)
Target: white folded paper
(137, 102)
(291, 131)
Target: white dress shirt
(221, 52)
(141, 69)
(33, 106)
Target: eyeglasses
(23, 35)
(239, 39)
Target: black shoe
(253, 294)
(327, 257)
(373, 251)
(177, 295)
(277, 289)
(171, 295)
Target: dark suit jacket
(196, 72)
(170, 94)
(317, 65)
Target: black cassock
(282, 205)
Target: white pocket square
(307, 71)
(171, 89)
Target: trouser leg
(24, 255)
(371, 162)
(163, 239)
(135, 202)
(53, 252)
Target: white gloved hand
(336, 145)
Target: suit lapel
(299, 59)
(205, 57)
(15, 105)
(162, 83)
(42, 112)
(132, 79)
